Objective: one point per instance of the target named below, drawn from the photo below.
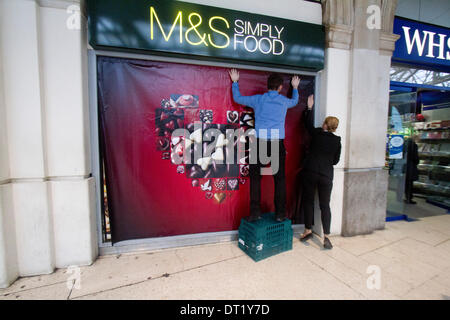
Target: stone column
(47, 211)
(355, 88)
(27, 196)
(8, 254)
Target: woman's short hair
(332, 123)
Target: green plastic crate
(266, 237)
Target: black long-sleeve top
(324, 150)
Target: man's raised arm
(294, 100)
(250, 101)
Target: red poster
(140, 104)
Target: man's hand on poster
(310, 102)
(295, 82)
(234, 75)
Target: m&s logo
(246, 35)
(195, 20)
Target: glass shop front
(418, 147)
(161, 66)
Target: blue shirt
(270, 110)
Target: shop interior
(419, 112)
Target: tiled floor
(412, 258)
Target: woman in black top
(324, 152)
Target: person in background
(270, 113)
(324, 152)
(412, 173)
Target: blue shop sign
(421, 43)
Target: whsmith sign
(167, 27)
(422, 44)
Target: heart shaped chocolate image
(170, 125)
(203, 161)
(180, 169)
(165, 103)
(185, 100)
(165, 155)
(206, 116)
(232, 116)
(219, 197)
(244, 170)
(220, 184)
(162, 143)
(208, 195)
(232, 184)
(247, 119)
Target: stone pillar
(355, 87)
(25, 132)
(47, 211)
(8, 254)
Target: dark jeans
(279, 179)
(311, 181)
(409, 189)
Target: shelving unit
(434, 166)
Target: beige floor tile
(425, 232)
(58, 291)
(114, 271)
(400, 266)
(443, 278)
(424, 253)
(430, 290)
(353, 272)
(432, 237)
(444, 246)
(391, 288)
(438, 223)
(241, 278)
(359, 245)
(202, 255)
(414, 260)
(349, 260)
(27, 283)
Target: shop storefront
(86, 136)
(165, 69)
(419, 111)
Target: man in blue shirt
(270, 113)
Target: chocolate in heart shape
(232, 183)
(232, 116)
(220, 184)
(219, 197)
(208, 195)
(162, 143)
(195, 172)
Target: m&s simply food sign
(173, 27)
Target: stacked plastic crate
(265, 237)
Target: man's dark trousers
(279, 181)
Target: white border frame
(147, 244)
